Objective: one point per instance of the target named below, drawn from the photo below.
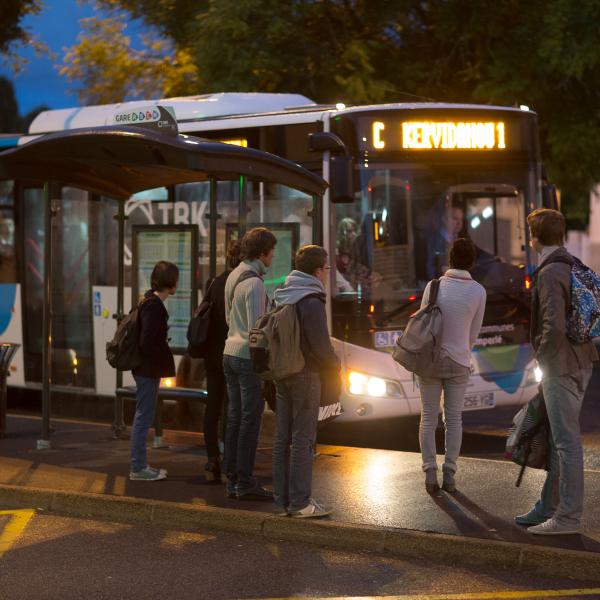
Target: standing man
(245, 302)
(298, 396)
(566, 369)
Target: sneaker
(212, 470)
(529, 519)
(254, 493)
(552, 527)
(230, 489)
(282, 512)
(148, 474)
(312, 510)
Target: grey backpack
(275, 344)
(418, 348)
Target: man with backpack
(566, 369)
(245, 301)
(299, 394)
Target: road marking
(15, 527)
(571, 593)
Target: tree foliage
(12, 33)
(543, 53)
(107, 68)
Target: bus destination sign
(438, 135)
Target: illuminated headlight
(537, 372)
(360, 384)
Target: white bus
(405, 180)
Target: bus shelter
(119, 161)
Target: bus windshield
(395, 237)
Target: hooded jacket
(308, 294)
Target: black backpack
(123, 352)
(199, 326)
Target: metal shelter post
(118, 425)
(212, 265)
(243, 205)
(44, 442)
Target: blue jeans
(298, 400)
(562, 494)
(145, 409)
(244, 416)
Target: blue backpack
(583, 321)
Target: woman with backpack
(462, 304)
(215, 376)
(157, 362)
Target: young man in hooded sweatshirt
(298, 396)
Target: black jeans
(217, 399)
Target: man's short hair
(548, 226)
(165, 275)
(310, 258)
(256, 243)
(462, 254)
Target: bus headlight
(361, 384)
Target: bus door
(493, 217)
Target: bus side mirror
(341, 172)
(550, 196)
(341, 184)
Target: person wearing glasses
(299, 396)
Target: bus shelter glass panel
(72, 340)
(150, 207)
(288, 213)
(196, 197)
(33, 280)
(8, 259)
(395, 238)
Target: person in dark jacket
(215, 376)
(298, 396)
(566, 370)
(157, 362)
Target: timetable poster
(175, 247)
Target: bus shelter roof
(118, 161)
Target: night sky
(58, 26)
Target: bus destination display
(440, 135)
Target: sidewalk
(370, 490)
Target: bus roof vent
(187, 108)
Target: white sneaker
(551, 527)
(312, 510)
(148, 474)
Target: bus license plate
(479, 401)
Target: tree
(9, 111)
(108, 69)
(543, 53)
(12, 13)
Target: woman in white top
(462, 302)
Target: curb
(402, 543)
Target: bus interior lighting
(475, 222)
(524, 107)
(487, 212)
(340, 106)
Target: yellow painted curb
(15, 527)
